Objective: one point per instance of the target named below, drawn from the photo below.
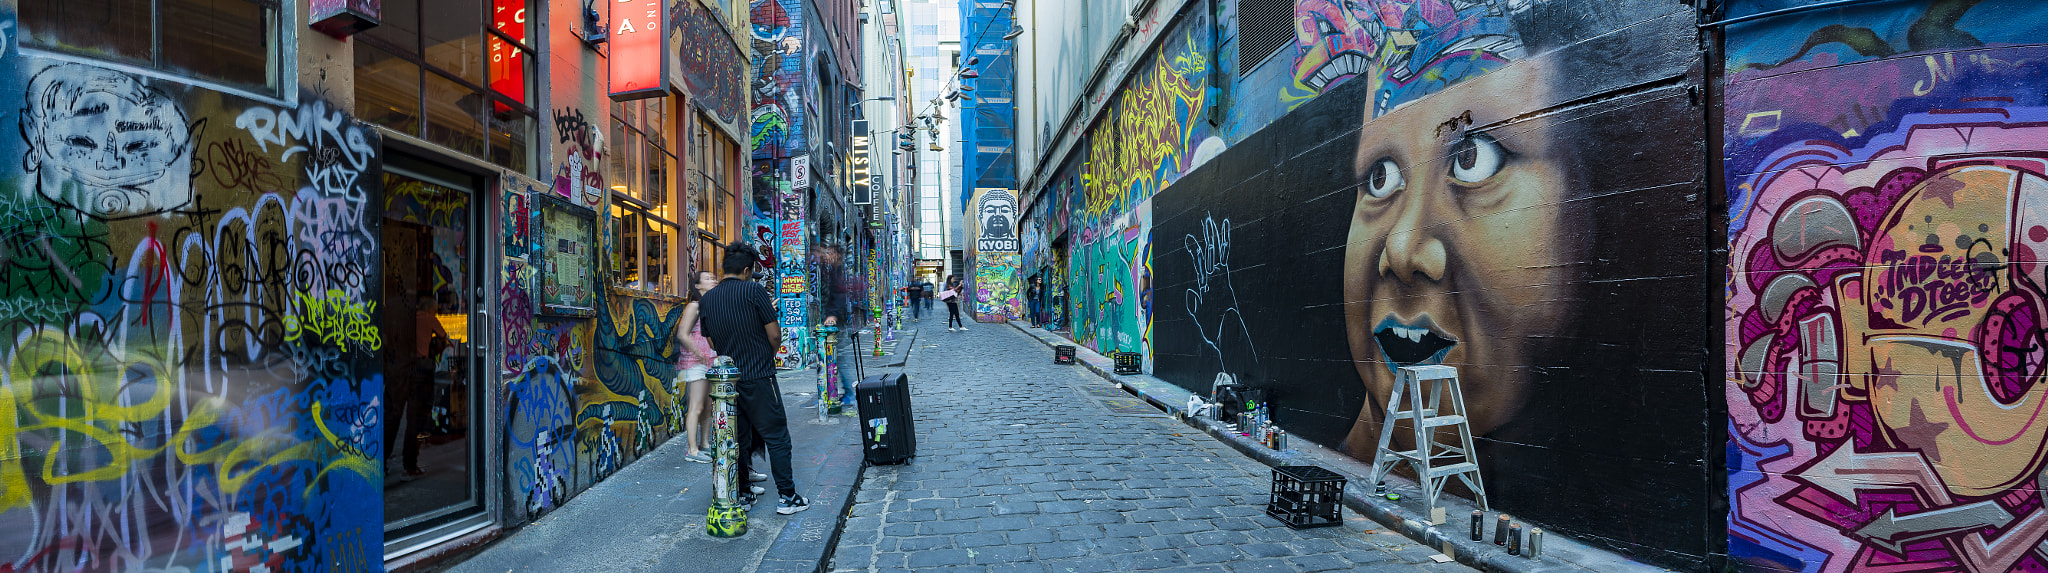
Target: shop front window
(644, 220)
(714, 179)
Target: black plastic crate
(1306, 496)
(1129, 363)
(1063, 354)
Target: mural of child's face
(113, 150)
(1453, 242)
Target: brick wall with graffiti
(1884, 288)
(190, 307)
(1483, 195)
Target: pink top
(696, 337)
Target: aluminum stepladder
(1434, 463)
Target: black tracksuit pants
(763, 422)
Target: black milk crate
(1306, 496)
(1063, 354)
(1129, 363)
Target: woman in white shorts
(697, 357)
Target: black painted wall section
(1539, 227)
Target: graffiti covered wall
(711, 66)
(1110, 288)
(1506, 223)
(189, 314)
(1885, 287)
(778, 83)
(1153, 132)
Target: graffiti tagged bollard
(727, 518)
(828, 372)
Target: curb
(1561, 554)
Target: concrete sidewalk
(1560, 553)
(650, 515)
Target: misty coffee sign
(995, 215)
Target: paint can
(1478, 525)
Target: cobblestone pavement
(1027, 466)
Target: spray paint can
(1280, 440)
(1535, 544)
(1515, 539)
(1478, 525)
(1500, 530)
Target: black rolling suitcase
(886, 435)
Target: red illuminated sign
(638, 60)
(508, 62)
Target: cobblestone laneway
(1028, 466)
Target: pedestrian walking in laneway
(739, 317)
(915, 293)
(952, 297)
(697, 356)
(1031, 296)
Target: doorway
(431, 251)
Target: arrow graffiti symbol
(1845, 470)
(1892, 532)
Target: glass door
(431, 243)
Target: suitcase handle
(860, 370)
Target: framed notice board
(567, 248)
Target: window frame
(416, 55)
(635, 204)
(284, 53)
(714, 169)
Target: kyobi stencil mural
(1885, 289)
(998, 296)
(1404, 48)
(1509, 225)
(189, 328)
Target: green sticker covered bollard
(728, 517)
(828, 372)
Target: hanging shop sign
(857, 166)
(638, 60)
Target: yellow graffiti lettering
(110, 393)
(334, 319)
(1145, 139)
(1937, 70)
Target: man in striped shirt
(739, 317)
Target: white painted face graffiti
(102, 143)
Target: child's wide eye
(1476, 158)
(1383, 178)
